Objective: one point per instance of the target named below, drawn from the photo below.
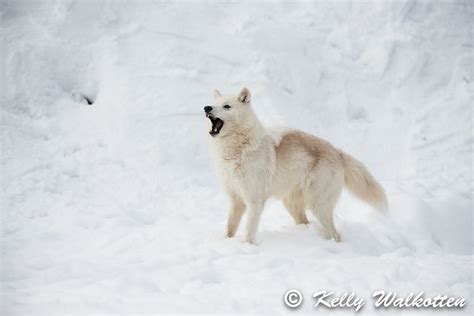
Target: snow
(115, 207)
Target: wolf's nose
(207, 108)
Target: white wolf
(304, 171)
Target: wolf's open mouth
(217, 124)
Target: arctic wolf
(306, 172)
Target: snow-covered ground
(114, 207)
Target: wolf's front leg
(237, 209)
(254, 213)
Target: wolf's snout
(207, 108)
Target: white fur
(304, 171)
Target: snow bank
(114, 207)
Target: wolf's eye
(226, 106)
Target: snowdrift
(109, 199)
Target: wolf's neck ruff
(244, 139)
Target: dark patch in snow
(88, 100)
(82, 98)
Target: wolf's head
(230, 113)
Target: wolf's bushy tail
(362, 184)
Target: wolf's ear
(244, 95)
(217, 94)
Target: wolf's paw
(337, 238)
(249, 240)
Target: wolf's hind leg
(237, 209)
(323, 193)
(294, 203)
(325, 217)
